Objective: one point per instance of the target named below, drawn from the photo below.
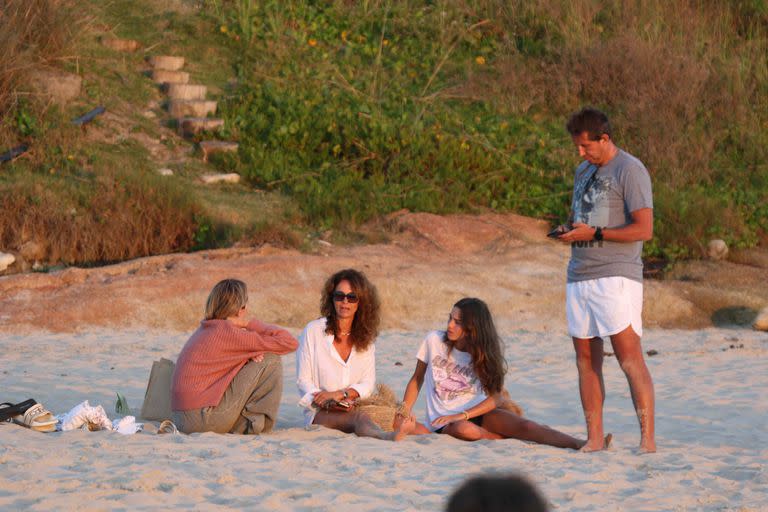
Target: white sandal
(167, 427)
(37, 418)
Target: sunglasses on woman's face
(351, 297)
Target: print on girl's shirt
(451, 380)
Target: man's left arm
(639, 230)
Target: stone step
(165, 76)
(60, 86)
(189, 126)
(120, 45)
(210, 147)
(186, 91)
(231, 177)
(169, 62)
(191, 108)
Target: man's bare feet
(647, 446)
(596, 447)
(404, 428)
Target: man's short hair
(591, 121)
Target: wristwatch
(598, 234)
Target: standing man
(611, 216)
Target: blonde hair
(226, 299)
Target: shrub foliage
(360, 108)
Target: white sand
(711, 432)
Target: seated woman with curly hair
(336, 363)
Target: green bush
(358, 109)
(360, 120)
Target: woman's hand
(402, 417)
(322, 397)
(445, 420)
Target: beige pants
(249, 405)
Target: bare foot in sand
(647, 446)
(594, 447)
(404, 428)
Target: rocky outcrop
(761, 322)
(6, 260)
(717, 250)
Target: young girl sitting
(464, 369)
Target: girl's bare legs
(468, 431)
(506, 424)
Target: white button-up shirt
(319, 367)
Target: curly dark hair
(483, 343)
(365, 325)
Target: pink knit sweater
(214, 354)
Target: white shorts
(604, 307)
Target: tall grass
(73, 198)
(363, 108)
(32, 33)
(73, 215)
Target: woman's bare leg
(362, 425)
(506, 424)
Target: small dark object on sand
(652, 352)
(398, 363)
(608, 354)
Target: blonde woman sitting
(228, 377)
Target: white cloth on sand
(89, 417)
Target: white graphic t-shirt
(451, 383)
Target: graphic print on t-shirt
(590, 203)
(451, 380)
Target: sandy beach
(93, 333)
(711, 434)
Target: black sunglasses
(351, 297)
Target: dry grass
(110, 220)
(32, 33)
(673, 76)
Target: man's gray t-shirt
(606, 200)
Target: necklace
(345, 333)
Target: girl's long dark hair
(365, 325)
(483, 343)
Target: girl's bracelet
(466, 415)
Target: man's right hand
(580, 233)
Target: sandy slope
(430, 262)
